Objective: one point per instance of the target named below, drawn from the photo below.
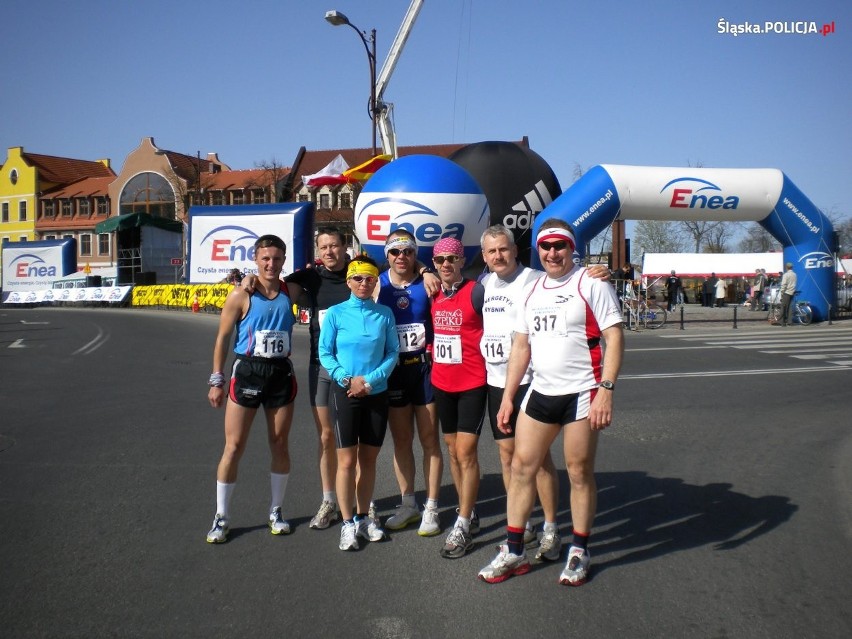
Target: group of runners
(416, 347)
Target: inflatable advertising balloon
(429, 196)
(517, 182)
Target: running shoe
(529, 535)
(505, 565)
(576, 568)
(430, 524)
(277, 524)
(474, 522)
(348, 536)
(369, 529)
(403, 516)
(219, 533)
(458, 543)
(550, 547)
(371, 513)
(326, 515)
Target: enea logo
(29, 265)
(230, 244)
(817, 259)
(415, 217)
(695, 193)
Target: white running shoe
(219, 533)
(277, 524)
(550, 547)
(403, 516)
(348, 536)
(430, 524)
(369, 529)
(327, 514)
(576, 568)
(505, 565)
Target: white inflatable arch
(609, 192)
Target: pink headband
(448, 245)
(555, 233)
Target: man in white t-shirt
(559, 330)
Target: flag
(332, 173)
(364, 171)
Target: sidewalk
(730, 316)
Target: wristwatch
(607, 385)
(346, 382)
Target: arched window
(148, 193)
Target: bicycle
(800, 311)
(639, 312)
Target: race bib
(412, 337)
(447, 349)
(271, 344)
(495, 348)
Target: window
(148, 193)
(50, 209)
(85, 244)
(67, 236)
(66, 208)
(259, 196)
(22, 211)
(217, 198)
(50, 236)
(85, 207)
(103, 206)
(23, 238)
(238, 197)
(103, 244)
(346, 200)
(304, 197)
(13, 176)
(5, 217)
(325, 201)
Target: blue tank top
(411, 310)
(266, 329)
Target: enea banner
(106, 294)
(34, 266)
(222, 238)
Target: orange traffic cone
(195, 305)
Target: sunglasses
(408, 252)
(557, 246)
(450, 259)
(369, 279)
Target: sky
(656, 83)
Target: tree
(652, 236)
(757, 240)
(718, 237)
(273, 179)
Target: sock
(360, 516)
(329, 495)
(408, 500)
(431, 503)
(515, 540)
(581, 540)
(550, 526)
(278, 483)
(464, 523)
(223, 497)
(528, 526)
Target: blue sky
(651, 83)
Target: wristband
(216, 380)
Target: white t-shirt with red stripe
(564, 319)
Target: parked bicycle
(800, 311)
(638, 311)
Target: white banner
(110, 294)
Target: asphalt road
(725, 505)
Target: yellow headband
(357, 267)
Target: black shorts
(319, 385)
(461, 412)
(410, 384)
(495, 396)
(559, 409)
(256, 381)
(359, 420)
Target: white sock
(223, 497)
(278, 483)
(408, 500)
(465, 523)
(329, 495)
(550, 526)
(431, 503)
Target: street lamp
(336, 18)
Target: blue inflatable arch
(609, 192)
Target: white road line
(766, 333)
(828, 349)
(765, 371)
(672, 348)
(811, 340)
(843, 362)
(792, 345)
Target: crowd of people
(425, 349)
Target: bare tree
(653, 236)
(757, 240)
(718, 238)
(273, 180)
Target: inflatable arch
(608, 192)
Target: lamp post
(336, 18)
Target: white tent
(703, 264)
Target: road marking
(18, 343)
(805, 345)
(764, 371)
(673, 348)
(32, 323)
(95, 344)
